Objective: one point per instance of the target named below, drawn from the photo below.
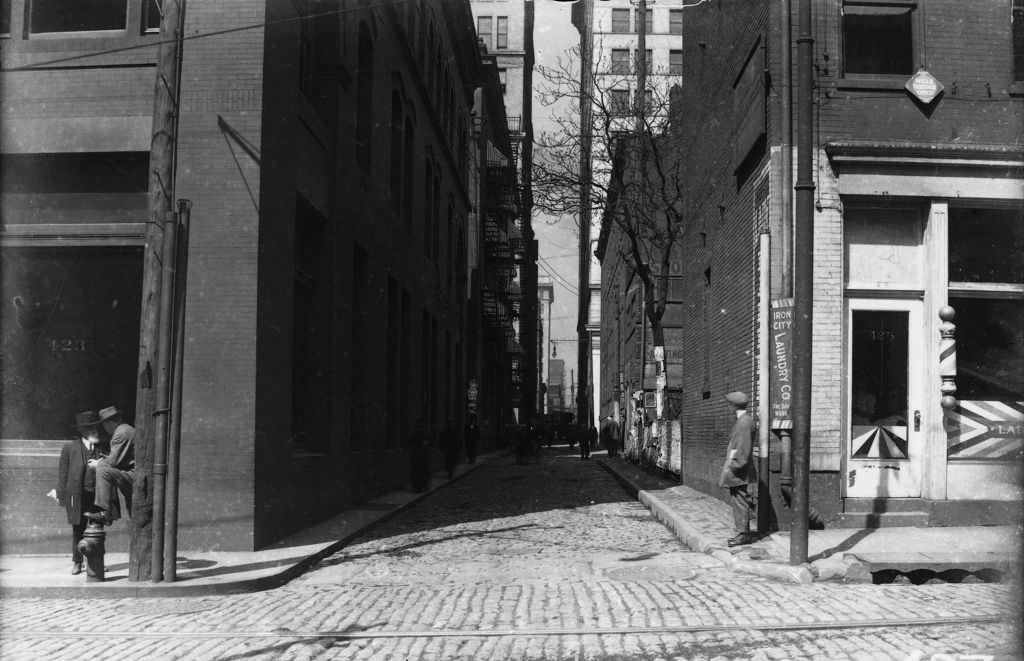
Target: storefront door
(884, 441)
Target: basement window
(878, 38)
(47, 16)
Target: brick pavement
(543, 562)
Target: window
(648, 60)
(648, 24)
(620, 20)
(151, 20)
(648, 101)
(675, 21)
(878, 38)
(675, 63)
(619, 102)
(484, 28)
(502, 34)
(620, 61)
(1017, 17)
(77, 16)
(5, 17)
(503, 78)
(986, 288)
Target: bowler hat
(108, 413)
(86, 420)
(737, 399)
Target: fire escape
(503, 253)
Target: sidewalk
(704, 523)
(215, 573)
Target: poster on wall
(781, 339)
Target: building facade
(330, 155)
(918, 174)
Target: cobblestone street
(548, 561)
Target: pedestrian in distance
(451, 446)
(419, 460)
(471, 440)
(115, 473)
(736, 472)
(76, 479)
(610, 435)
(586, 437)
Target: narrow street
(548, 561)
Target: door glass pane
(70, 333)
(878, 400)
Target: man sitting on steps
(115, 472)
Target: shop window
(878, 38)
(986, 245)
(77, 16)
(620, 61)
(620, 20)
(70, 333)
(883, 248)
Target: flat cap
(737, 399)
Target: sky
(557, 238)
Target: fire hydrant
(93, 547)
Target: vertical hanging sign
(781, 339)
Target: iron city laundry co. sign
(781, 363)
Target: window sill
(1017, 88)
(894, 83)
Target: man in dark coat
(114, 473)
(76, 481)
(471, 438)
(610, 435)
(736, 472)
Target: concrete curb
(701, 542)
(256, 584)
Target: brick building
(334, 154)
(918, 167)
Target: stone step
(880, 519)
(876, 505)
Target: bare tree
(637, 168)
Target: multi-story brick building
(333, 153)
(918, 109)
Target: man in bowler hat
(736, 471)
(114, 473)
(76, 482)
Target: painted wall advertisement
(781, 363)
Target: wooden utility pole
(161, 196)
(586, 148)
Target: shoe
(76, 569)
(741, 539)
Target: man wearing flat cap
(736, 472)
(114, 473)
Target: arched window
(396, 150)
(364, 97)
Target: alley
(540, 561)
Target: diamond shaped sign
(924, 86)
